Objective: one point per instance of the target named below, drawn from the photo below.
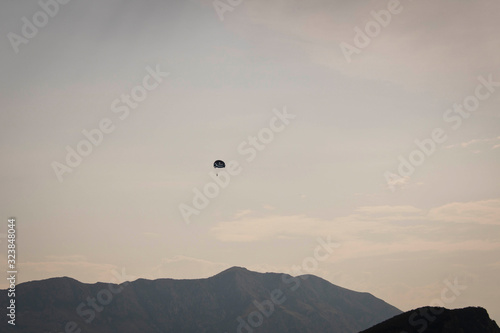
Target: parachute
(219, 165)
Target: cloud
(481, 212)
(434, 46)
(476, 142)
(373, 219)
(420, 54)
(242, 213)
(380, 230)
(396, 181)
(251, 228)
(389, 210)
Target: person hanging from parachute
(219, 165)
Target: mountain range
(235, 300)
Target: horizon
(360, 140)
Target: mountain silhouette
(438, 320)
(235, 300)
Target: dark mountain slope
(235, 300)
(438, 320)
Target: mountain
(438, 320)
(235, 300)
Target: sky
(371, 125)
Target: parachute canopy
(219, 164)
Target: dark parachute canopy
(219, 164)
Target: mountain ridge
(235, 299)
(438, 320)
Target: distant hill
(235, 300)
(438, 320)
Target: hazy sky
(358, 103)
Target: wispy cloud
(389, 210)
(377, 230)
(474, 143)
(482, 212)
(405, 40)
